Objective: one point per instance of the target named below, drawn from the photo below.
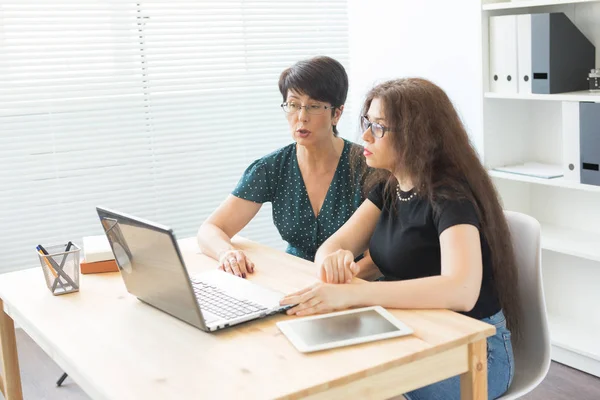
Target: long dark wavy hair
(434, 151)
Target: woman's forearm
(430, 292)
(213, 241)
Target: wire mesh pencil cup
(61, 268)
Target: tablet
(342, 328)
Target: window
(153, 109)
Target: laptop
(153, 270)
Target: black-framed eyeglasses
(377, 130)
(291, 107)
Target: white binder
(524, 68)
(503, 54)
(570, 141)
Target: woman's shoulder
(260, 179)
(455, 203)
(271, 163)
(458, 191)
(276, 157)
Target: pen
(62, 264)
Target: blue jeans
(501, 367)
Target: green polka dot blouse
(276, 178)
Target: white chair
(532, 348)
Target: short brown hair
(321, 78)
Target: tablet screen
(315, 332)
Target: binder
(589, 139)
(503, 54)
(524, 53)
(570, 141)
(561, 56)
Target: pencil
(47, 262)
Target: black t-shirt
(406, 244)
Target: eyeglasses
(377, 130)
(313, 109)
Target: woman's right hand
(338, 267)
(235, 262)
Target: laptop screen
(151, 266)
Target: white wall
(435, 39)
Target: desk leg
(10, 384)
(473, 383)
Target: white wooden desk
(116, 347)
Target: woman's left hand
(318, 299)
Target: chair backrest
(532, 347)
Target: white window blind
(154, 109)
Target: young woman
(310, 182)
(433, 225)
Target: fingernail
(244, 275)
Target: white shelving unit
(572, 242)
(576, 344)
(571, 96)
(516, 4)
(556, 182)
(519, 128)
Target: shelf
(574, 336)
(583, 95)
(570, 241)
(511, 5)
(556, 182)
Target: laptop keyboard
(225, 306)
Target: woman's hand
(235, 262)
(338, 267)
(319, 298)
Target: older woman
(311, 184)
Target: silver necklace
(409, 198)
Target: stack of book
(98, 256)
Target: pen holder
(61, 268)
